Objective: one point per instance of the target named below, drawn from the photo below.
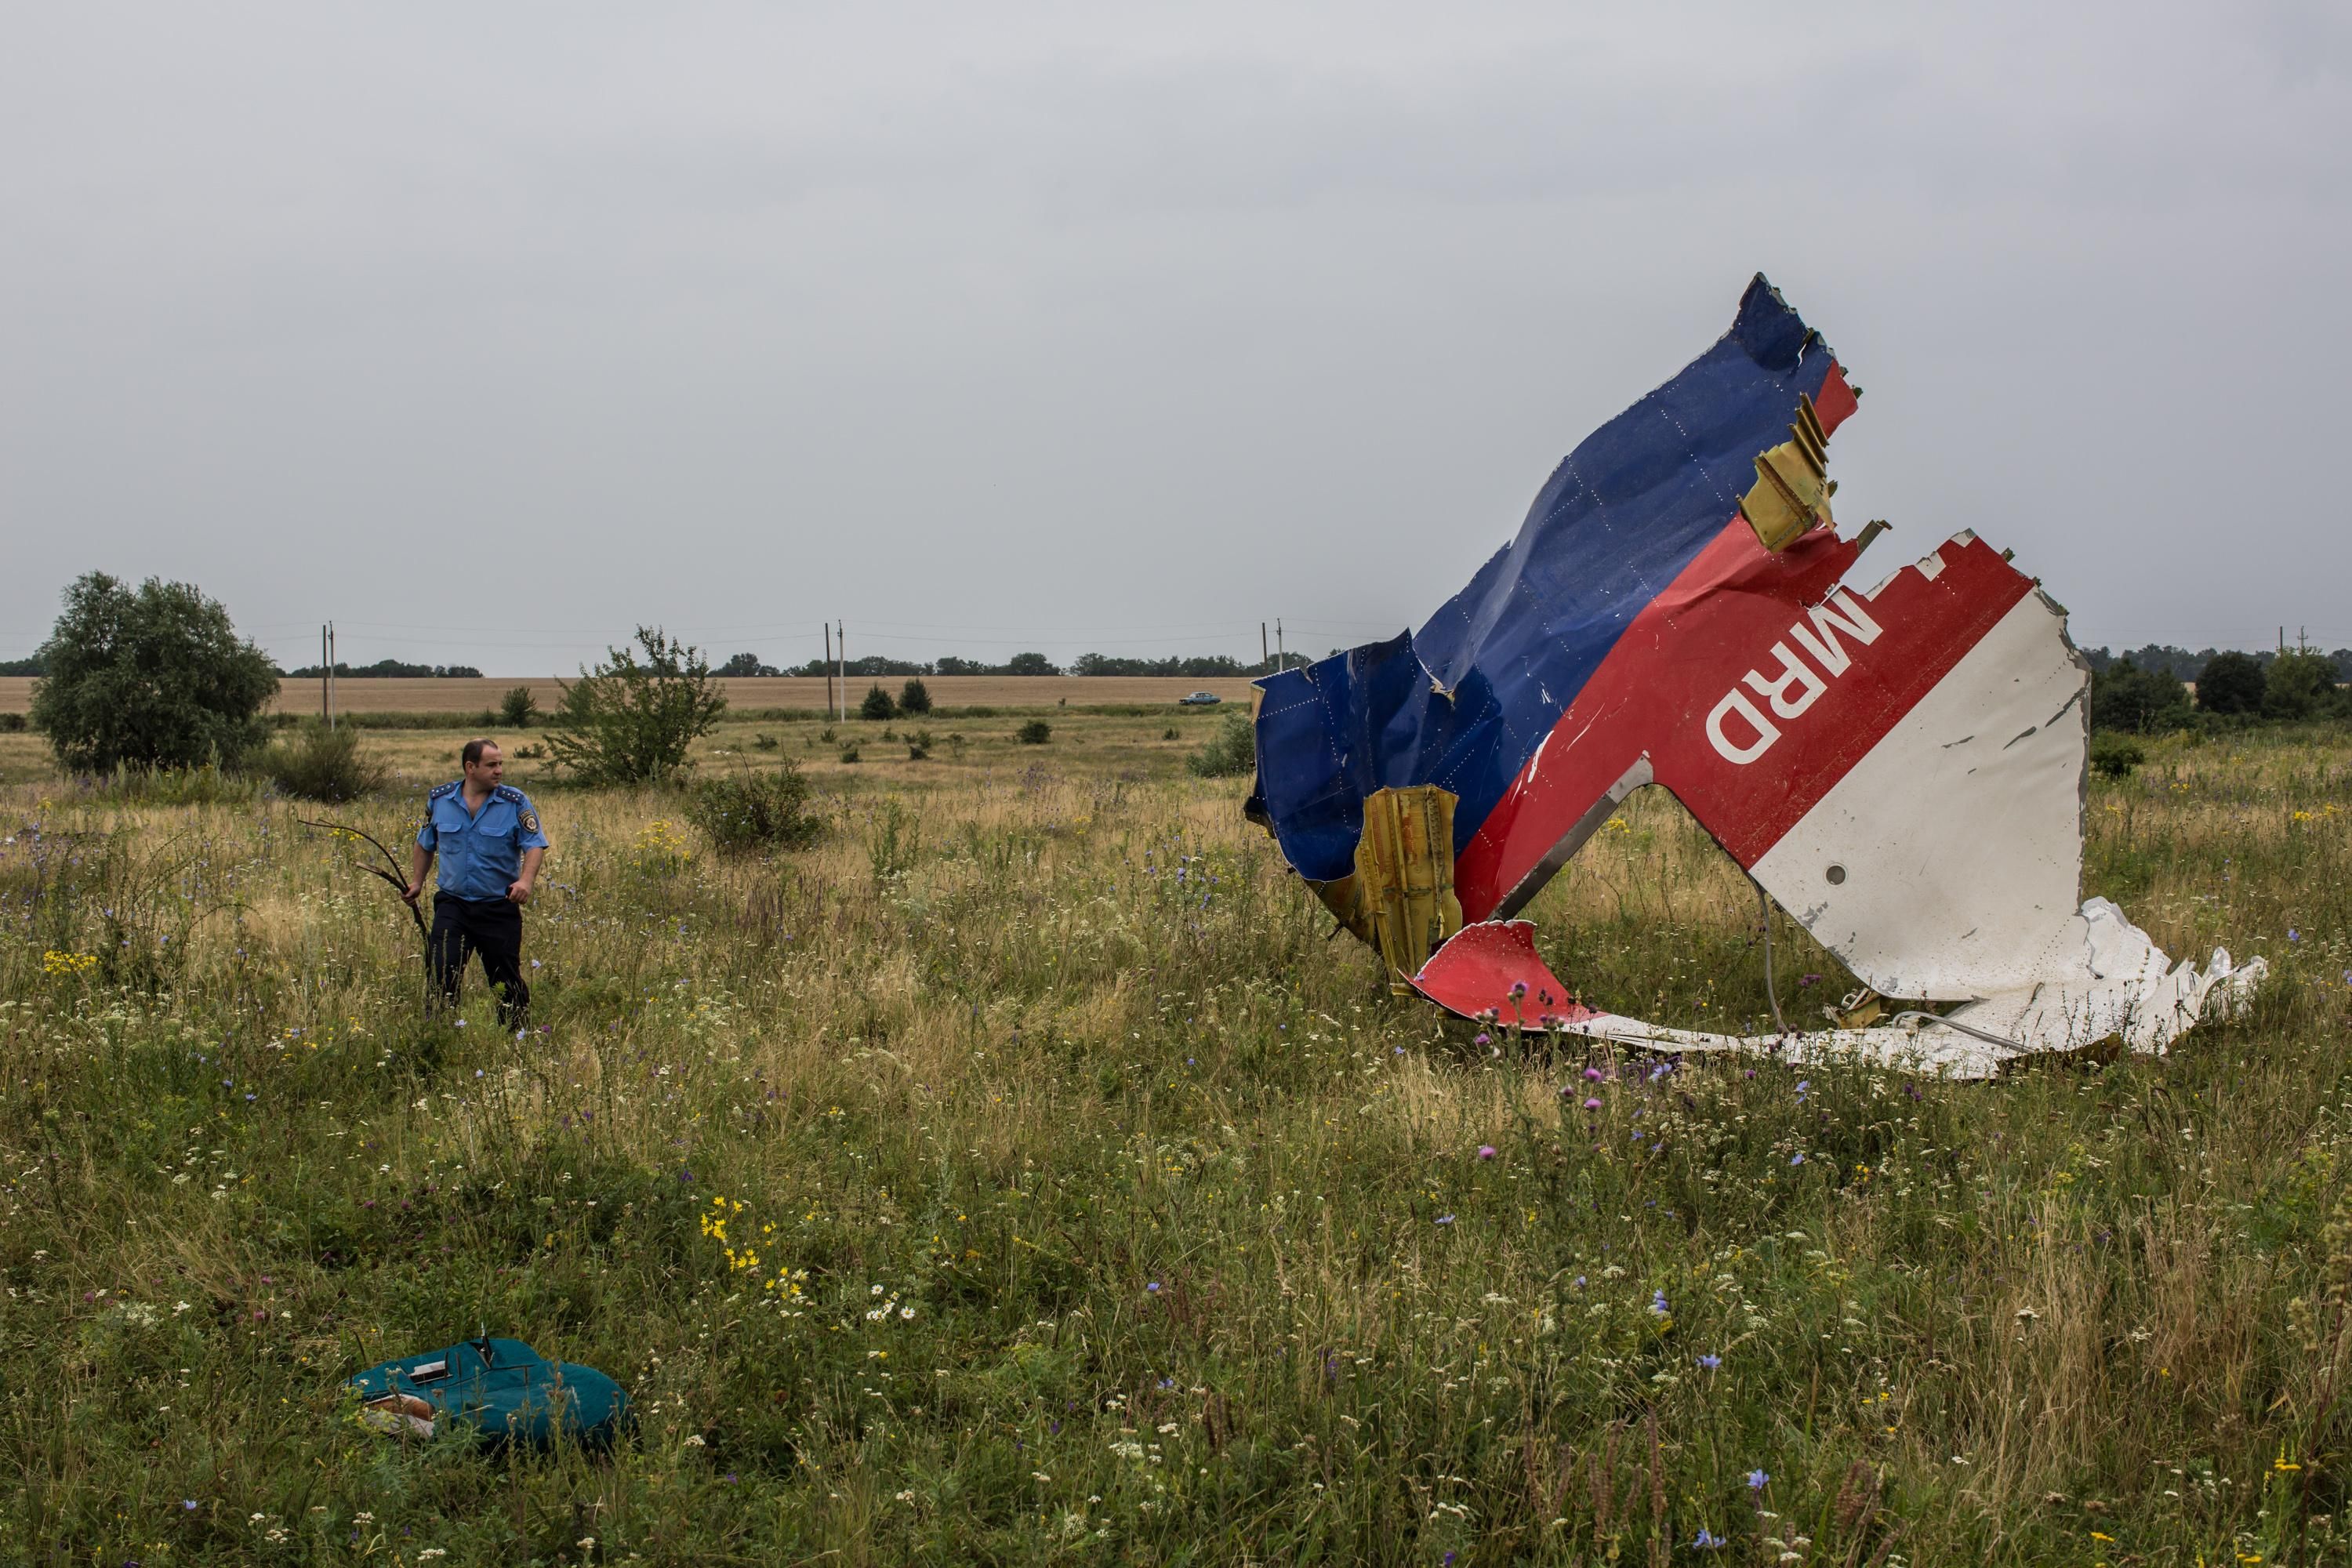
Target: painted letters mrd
(1795, 685)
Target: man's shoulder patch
(511, 796)
(445, 790)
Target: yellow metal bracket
(1792, 490)
(1401, 897)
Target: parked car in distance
(1199, 700)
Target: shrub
(1232, 750)
(319, 763)
(518, 708)
(764, 742)
(1035, 733)
(919, 746)
(751, 813)
(849, 753)
(154, 676)
(878, 704)
(631, 720)
(955, 747)
(2113, 756)
(2231, 683)
(915, 697)
(2137, 702)
(2300, 686)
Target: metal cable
(1771, 991)
(1987, 1036)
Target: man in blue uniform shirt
(487, 833)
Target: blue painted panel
(1465, 702)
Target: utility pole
(841, 658)
(828, 670)
(1264, 653)
(1281, 658)
(331, 675)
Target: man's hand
(414, 891)
(518, 893)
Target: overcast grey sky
(490, 331)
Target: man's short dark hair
(472, 751)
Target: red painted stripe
(1835, 401)
(1494, 966)
(1695, 642)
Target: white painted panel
(1957, 837)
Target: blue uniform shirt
(481, 852)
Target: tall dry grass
(1096, 1206)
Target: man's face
(489, 770)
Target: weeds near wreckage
(1192, 1218)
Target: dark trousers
(493, 927)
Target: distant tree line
(2183, 665)
(1194, 667)
(2231, 688)
(384, 669)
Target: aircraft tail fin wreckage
(1900, 766)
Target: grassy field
(1084, 1202)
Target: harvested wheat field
(1019, 1172)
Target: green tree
(2299, 685)
(154, 676)
(915, 697)
(1231, 750)
(2137, 702)
(519, 707)
(1031, 664)
(2231, 683)
(878, 704)
(631, 720)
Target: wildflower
(694, 1440)
(1154, 1287)
(1486, 1151)
(1797, 1158)
(1483, 1038)
(1710, 1362)
(1442, 1219)
(1657, 1303)
(189, 1503)
(1593, 1105)
(1518, 989)
(1706, 1540)
(1756, 1479)
(907, 1496)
